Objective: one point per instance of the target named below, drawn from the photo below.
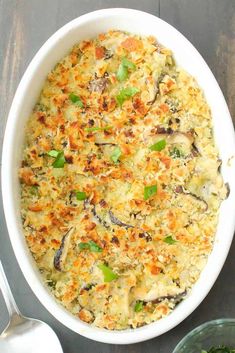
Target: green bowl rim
(201, 328)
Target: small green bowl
(210, 334)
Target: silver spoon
(22, 334)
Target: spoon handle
(7, 294)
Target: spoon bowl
(23, 334)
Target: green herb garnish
(91, 246)
(138, 306)
(176, 153)
(122, 72)
(97, 128)
(169, 240)
(53, 153)
(59, 158)
(76, 100)
(158, 146)
(220, 349)
(125, 94)
(116, 155)
(81, 195)
(108, 273)
(149, 191)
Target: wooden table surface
(24, 27)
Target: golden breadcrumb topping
(120, 181)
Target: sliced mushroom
(152, 87)
(207, 181)
(61, 253)
(228, 190)
(157, 292)
(181, 190)
(100, 140)
(105, 144)
(98, 85)
(166, 85)
(145, 235)
(183, 140)
(173, 298)
(195, 150)
(119, 223)
(162, 130)
(92, 208)
(101, 221)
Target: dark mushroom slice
(105, 144)
(119, 223)
(184, 141)
(102, 140)
(181, 190)
(61, 253)
(206, 181)
(145, 235)
(98, 85)
(228, 190)
(115, 240)
(92, 208)
(195, 151)
(101, 221)
(152, 87)
(162, 130)
(173, 298)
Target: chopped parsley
(53, 153)
(91, 246)
(97, 128)
(122, 72)
(59, 158)
(108, 273)
(220, 349)
(149, 191)
(125, 94)
(158, 146)
(138, 306)
(116, 154)
(76, 100)
(169, 240)
(81, 195)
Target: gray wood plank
(24, 26)
(210, 26)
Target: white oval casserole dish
(51, 52)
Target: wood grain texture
(210, 26)
(24, 26)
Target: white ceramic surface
(51, 52)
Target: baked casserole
(120, 181)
